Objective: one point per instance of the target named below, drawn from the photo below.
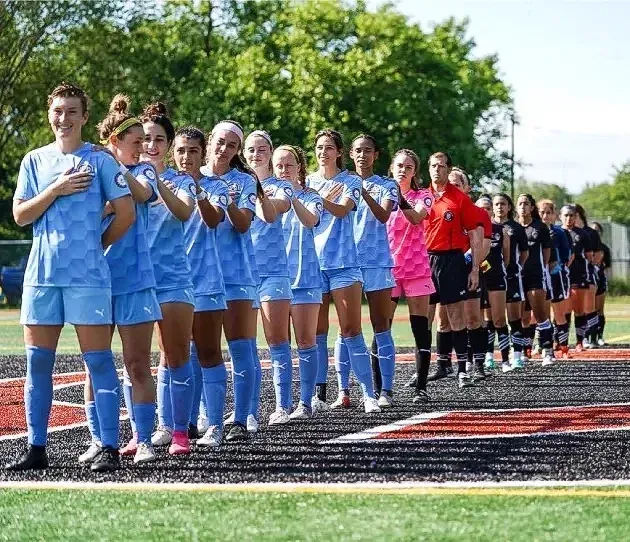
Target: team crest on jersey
(234, 189)
(509, 231)
(252, 199)
(449, 216)
(149, 174)
(428, 202)
(192, 189)
(496, 236)
(534, 234)
(119, 179)
(288, 191)
(319, 206)
(223, 200)
(356, 193)
(85, 167)
(577, 238)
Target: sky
(568, 64)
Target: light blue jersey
(370, 235)
(165, 236)
(67, 248)
(236, 251)
(334, 239)
(201, 242)
(268, 239)
(303, 263)
(129, 258)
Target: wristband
(124, 170)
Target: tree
(610, 199)
(540, 190)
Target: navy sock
(504, 343)
(422, 339)
(518, 340)
(444, 348)
(460, 344)
(492, 333)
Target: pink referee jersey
(406, 241)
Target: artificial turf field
(536, 429)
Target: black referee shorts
(450, 277)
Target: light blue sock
(106, 394)
(214, 388)
(307, 358)
(144, 414)
(322, 359)
(182, 384)
(386, 358)
(128, 396)
(198, 384)
(243, 374)
(92, 421)
(255, 405)
(38, 392)
(342, 364)
(361, 364)
(164, 407)
(282, 371)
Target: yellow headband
(132, 121)
(292, 150)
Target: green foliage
(618, 286)
(610, 199)
(556, 193)
(291, 67)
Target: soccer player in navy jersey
(289, 164)
(62, 190)
(274, 290)
(603, 262)
(338, 260)
(380, 197)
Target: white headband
(263, 134)
(230, 127)
(484, 200)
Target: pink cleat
(131, 447)
(180, 444)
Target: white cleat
(90, 454)
(279, 417)
(548, 359)
(319, 406)
(470, 367)
(252, 424)
(230, 419)
(162, 437)
(601, 342)
(464, 380)
(587, 344)
(506, 367)
(342, 401)
(302, 412)
(371, 405)
(203, 423)
(144, 454)
(212, 437)
(385, 400)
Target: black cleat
(421, 397)
(107, 461)
(438, 374)
(33, 458)
(193, 432)
(479, 373)
(237, 433)
(411, 383)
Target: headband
(132, 121)
(263, 134)
(230, 127)
(292, 150)
(484, 200)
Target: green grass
(617, 329)
(124, 515)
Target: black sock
(602, 325)
(545, 334)
(320, 392)
(460, 344)
(422, 337)
(516, 330)
(504, 343)
(376, 368)
(580, 327)
(593, 326)
(563, 334)
(444, 347)
(492, 333)
(531, 333)
(479, 343)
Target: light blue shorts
(307, 296)
(335, 279)
(136, 308)
(180, 295)
(54, 306)
(210, 303)
(377, 278)
(274, 289)
(240, 293)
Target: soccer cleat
(464, 381)
(302, 412)
(144, 454)
(586, 343)
(564, 352)
(193, 432)
(421, 397)
(517, 363)
(478, 374)
(252, 423)
(162, 437)
(33, 458)
(203, 423)
(131, 447)
(279, 417)
(107, 461)
(548, 359)
(579, 348)
(212, 438)
(527, 355)
(319, 406)
(230, 419)
(237, 433)
(386, 399)
(180, 444)
(469, 367)
(489, 363)
(506, 367)
(438, 374)
(88, 456)
(342, 401)
(601, 342)
(370, 405)
(411, 383)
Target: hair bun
(155, 109)
(120, 104)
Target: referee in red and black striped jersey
(451, 214)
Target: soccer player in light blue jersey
(134, 303)
(174, 288)
(234, 246)
(339, 262)
(274, 290)
(62, 189)
(380, 197)
(289, 164)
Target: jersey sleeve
(426, 199)
(113, 182)
(247, 199)
(596, 240)
(521, 239)
(471, 218)
(391, 193)
(283, 192)
(545, 237)
(352, 190)
(564, 247)
(219, 195)
(187, 186)
(587, 244)
(148, 175)
(25, 188)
